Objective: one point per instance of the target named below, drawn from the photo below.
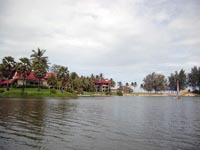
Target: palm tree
(97, 77)
(1, 74)
(52, 81)
(134, 84)
(37, 57)
(119, 84)
(8, 68)
(40, 64)
(39, 72)
(92, 76)
(63, 76)
(24, 69)
(112, 82)
(101, 76)
(142, 86)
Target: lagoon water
(101, 123)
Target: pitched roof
(103, 81)
(6, 82)
(48, 75)
(30, 77)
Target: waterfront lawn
(33, 93)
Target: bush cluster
(119, 93)
(2, 90)
(53, 91)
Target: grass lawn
(33, 93)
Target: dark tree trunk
(7, 87)
(23, 87)
(39, 85)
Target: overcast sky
(123, 39)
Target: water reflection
(25, 121)
(100, 123)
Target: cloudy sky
(123, 39)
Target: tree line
(158, 82)
(66, 81)
(63, 80)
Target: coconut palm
(8, 68)
(39, 72)
(52, 81)
(134, 85)
(38, 57)
(63, 76)
(39, 64)
(24, 69)
(119, 84)
(112, 82)
(101, 76)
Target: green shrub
(108, 93)
(31, 86)
(80, 91)
(53, 91)
(119, 93)
(24, 94)
(2, 90)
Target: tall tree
(24, 69)
(182, 79)
(63, 76)
(92, 76)
(173, 81)
(39, 64)
(194, 78)
(134, 84)
(55, 68)
(52, 81)
(155, 82)
(73, 75)
(177, 76)
(101, 76)
(38, 57)
(8, 68)
(119, 84)
(97, 77)
(112, 84)
(1, 74)
(141, 85)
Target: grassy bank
(33, 93)
(99, 94)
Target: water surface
(109, 123)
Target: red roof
(48, 75)
(30, 77)
(6, 82)
(103, 81)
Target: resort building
(102, 85)
(29, 80)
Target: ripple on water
(94, 124)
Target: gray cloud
(123, 39)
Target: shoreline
(45, 93)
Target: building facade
(29, 80)
(102, 85)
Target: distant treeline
(158, 82)
(73, 82)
